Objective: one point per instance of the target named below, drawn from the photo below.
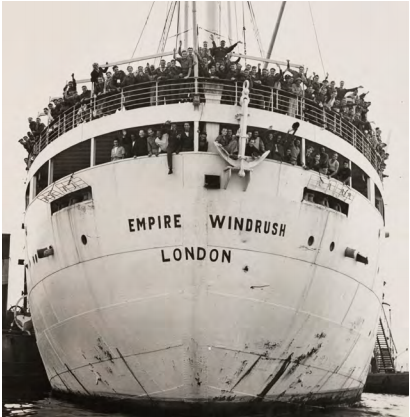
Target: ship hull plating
(183, 296)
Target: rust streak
(275, 378)
(247, 372)
(132, 373)
(72, 373)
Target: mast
(275, 33)
(212, 16)
(229, 23)
(186, 15)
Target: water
(374, 405)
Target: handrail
(155, 93)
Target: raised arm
(231, 48)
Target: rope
(317, 40)
(149, 13)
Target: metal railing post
(64, 123)
(236, 92)
(58, 126)
(271, 99)
(156, 93)
(74, 116)
(122, 99)
(277, 100)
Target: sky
(361, 43)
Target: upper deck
(156, 93)
(87, 143)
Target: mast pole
(275, 33)
(186, 14)
(230, 38)
(195, 38)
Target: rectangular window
(379, 201)
(72, 160)
(359, 180)
(71, 198)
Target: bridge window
(325, 200)
(379, 201)
(359, 180)
(70, 199)
(72, 160)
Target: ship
(235, 283)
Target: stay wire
(169, 27)
(244, 30)
(177, 35)
(164, 28)
(149, 14)
(317, 40)
(236, 22)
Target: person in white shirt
(117, 152)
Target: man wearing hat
(219, 52)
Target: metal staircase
(383, 351)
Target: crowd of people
(170, 139)
(285, 90)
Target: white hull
(271, 319)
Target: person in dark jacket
(187, 139)
(97, 72)
(161, 74)
(118, 77)
(219, 52)
(251, 150)
(174, 144)
(203, 142)
(143, 86)
(128, 85)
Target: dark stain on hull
(247, 372)
(275, 379)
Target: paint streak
(247, 372)
(132, 373)
(258, 286)
(275, 379)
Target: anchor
(243, 164)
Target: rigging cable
(236, 22)
(244, 31)
(149, 14)
(220, 14)
(255, 29)
(179, 13)
(169, 27)
(317, 40)
(163, 30)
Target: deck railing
(156, 93)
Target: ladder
(383, 352)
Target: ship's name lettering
(248, 225)
(195, 254)
(161, 222)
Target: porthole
(311, 240)
(35, 256)
(34, 261)
(84, 239)
(332, 246)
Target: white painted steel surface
(281, 320)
